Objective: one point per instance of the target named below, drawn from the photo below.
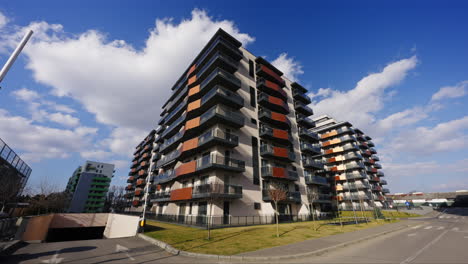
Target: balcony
(279, 153)
(278, 135)
(210, 162)
(355, 186)
(303, 108)
(140, 182)
(383, 182)
(370, 143)
(217, 60)
(380, 174)
(354, 175)
(142, 173)
(273, 103)
(269, 72)
(313, 149)
(216, 95)
(222, 78)
(129, 187)
(309, 135)
(319, 198)
(305, 121)
(310, 163)
(156, 146)
(300, 96)
(174, 114)
(169, 108)
(130, 179)
(377, 165)
(164, 196)
(355, 197)
(278, 172)
(217, 114)
(169, 159)
(373, 151)
(170, 143)
(374, 179)
(271, 88)
(208, 139)
(371, 170)
(274, 118)
(316, 180)
(385, 190)
(217, 190)
(174, 127)
(335, 132)
(375, 157)
(294, 197)
(156, 157)
(164, 177)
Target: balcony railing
(223, 78)
(164, 177)
(170, 157)
(271, 88)
(312, 163)
(303, 108)
(169, 142)
(310, 148)
(385, 190)
(278, 172)
(223, 95)
(217, 162)
(279, 153)
(300, 96)
(273, 103)
(172, 129)
(305, 121)
(275, 118)
(383, 182)
(316, 180)
(217, 190)
(212, 137)
(294, 197)
(375, 157)
(308, 134)
(279, 135)
(163, 196)
(222, 114)
(380, 174)
(355, 186)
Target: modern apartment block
(233, 128)
(351, 165)
(14, 172)
(88, 186)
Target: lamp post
(14, 55)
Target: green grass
(387, 214)
(235, 240)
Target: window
(254, 121)
(253, 101)
(255, 161)
(251, 68)
(257, 206)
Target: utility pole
(14, 55)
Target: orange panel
(137, 192)
(146, 147)
(136, 203)
(278, 133)
(328, 151)
(332, 160)
(276, 100)
(324, 144)
(158, 187)
(194, 105)
(190, 144)
(186, 168)
(194, 90)
(337, 178)
(143, 163)
(145, 155)
(192, 80)
(191, 69)
(131, 178)
(280, 152)
(272, 73)
(279, 172)
(192, 123)
(278, 117)
(334, 169)
(140, 181)
(372, 161)
(181, 194)
(141, 172)
(272, 85)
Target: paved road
(435, 240)
(431, 240)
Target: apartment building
(88, 187)
(233, 128)
(14, 172)
(351, 165)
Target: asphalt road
(435, 240)
(431, 240)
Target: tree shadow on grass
(152, 228)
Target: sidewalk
(318, 244)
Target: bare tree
(215, 190)
(313, 196)
(115, 200)
(9, 189)
(277, 193)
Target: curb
(318, 252)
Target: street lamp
(14, 55)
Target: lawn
(235, 240)
(387, 214)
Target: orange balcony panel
(181, 194)
(324, 144)
(376, 179)
(278, 117)
(138, 192)
(190, 144)
(372, 161)
(146, 147)
(141, 172)
(330, 134)
(158, 187)
(133, 170)
(374, 170)
(136, 203)
(186, 168)
(337, 178)
(280, 152)
(274, 86)
(277, 101)
(143, 163)
(334, 169)
(279, 172)
(328, 151)
(194, 105)
(140, 181)
(332, 160)
(193, 68)
(145, 155)
(129, 187)
(272, 73)
(192, 123)
(131, 178)
(194, 90)
(278, 133)
(192, 80)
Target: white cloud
(64, 119)
(40, 142)
(447, 136)
(458, 90)
(400, 119)
(290, 68)
(25, 94)
(3, 20)
(360, 104)
(96, 154)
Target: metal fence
(7, 228)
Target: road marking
(465, 237)
(428, 227)
(415, 255)
(440, 228)
(54, 260)
(119, 248)
(442, 216)
(416, 227)
(455, 229)
(413, 234)
(455, 217)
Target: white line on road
(465, 237)
(428, 227)
(413, 234)
(415, 255)
(54, 260)
(440, 228)
(416, 227)
(119, 248)
(455, 229)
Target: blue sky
(90, 83)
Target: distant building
(88, 186)
(430, 199)
(14, 172)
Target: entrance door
(181, 216)
(202, 210)
(226, 213)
